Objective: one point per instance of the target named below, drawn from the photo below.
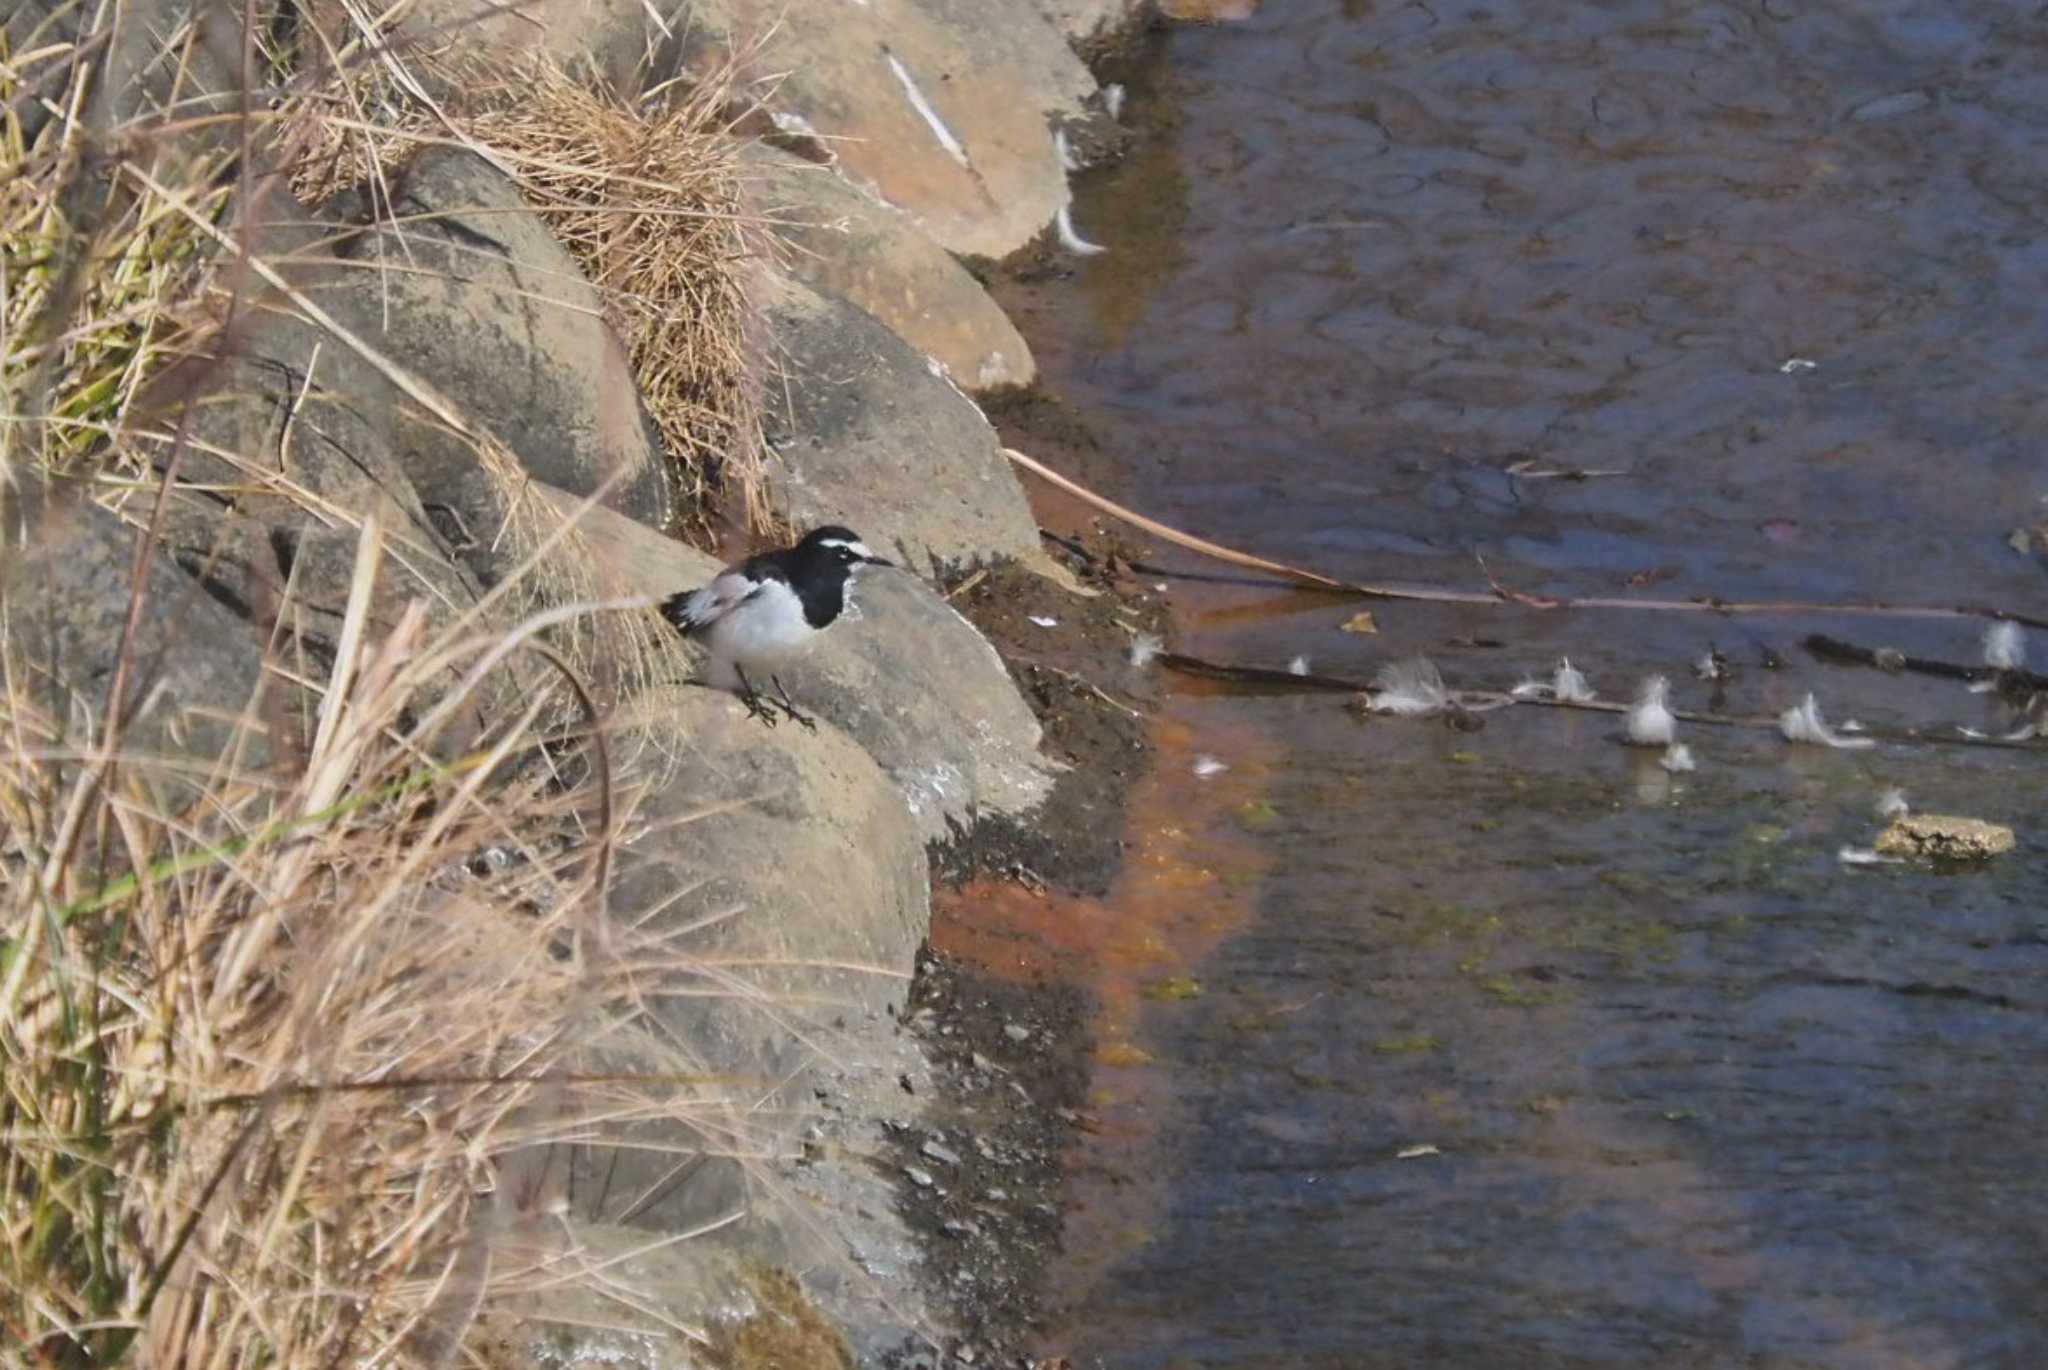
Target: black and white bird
(758, 613)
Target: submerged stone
(1943, 837)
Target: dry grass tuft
(99, 286)
(282, 1060)
(648, 201)
(288, 1047)
(646, 197)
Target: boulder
(975, 167)
(848, 244)
(909, 679)
(1087, 24)
(612, 42)
(784, 863)
(64, 601)
(474, 296)
(870, 435)
(942, 109)
(921, 688)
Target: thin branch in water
(1501, 594)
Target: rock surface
(916, 684)
(64, 598)
(614, 42)
(1088, 22)
(872, 438)
(784, 863)
(848, 244)
(484, 305)
(993, 76)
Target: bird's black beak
(879, 561)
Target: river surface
(1508, 1048)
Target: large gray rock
(849, 244)
(481, 302)
(612, 42)
(871, 437)
(995, 75)
(921, 688)
(1088, 23)
(785, 865)
(904, 675)
(64, 602)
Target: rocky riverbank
(426, 357)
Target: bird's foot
(788, 707)
(757, 707)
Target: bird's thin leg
(750, 697)
(790, 708)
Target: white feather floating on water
(1144, 647)
(1650, 722)
(1207, 766)
(1410, 688)
(2005, 646)
(1864, 856)
(1063, 224)
(1298, 666)
(1803, 723)
(1678, 758)
(1892, 803)
(1569, 684)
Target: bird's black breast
(819, 583)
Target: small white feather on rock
(1409, 688)
(1569, 683)
(1650, 721)
(1803, 723)
(1678, 759)
(1892, 803)
(1298, 666)
(1144, 647)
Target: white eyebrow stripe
(859, 549)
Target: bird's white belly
(757, 637)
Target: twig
(1884, 659)
(1178, 538)
(1258, 675)
(1501, 594)
(1091, 687)
(968, 584)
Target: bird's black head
(836, 545)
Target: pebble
(944, 1155)
(921, 1178)
(1016, 1032)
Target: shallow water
(1696, 1093)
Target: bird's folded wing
(696, 610)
